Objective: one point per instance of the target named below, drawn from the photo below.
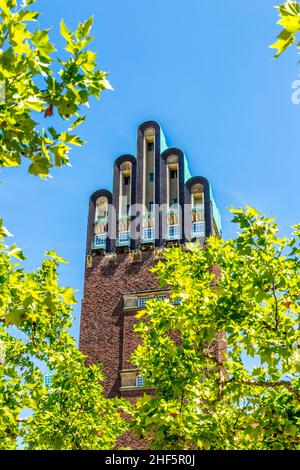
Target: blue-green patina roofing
(163, 143)
(216, 212)
(187, 173)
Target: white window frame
(47, 380)
(102, 244)
(174, 232)
(148, 234)
(198, 229)
(139, 381)
(124, 238)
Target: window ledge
(134, 388)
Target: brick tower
(155, 202)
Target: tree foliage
(249, 289)
(35, 311)
(35, 316)
(289, 13)
(36, 84)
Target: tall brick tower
(154, 203)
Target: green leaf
(41, 40)
(64, 31)
(84, 29)
(29, 15)
(67, 295)
(71, 139)
(52, 254)
(16, 253)
(3, 230)
(35, 103)
(77, 123)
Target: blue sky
(204, 71)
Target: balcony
(173, 217)
(100, 242)
(198, 229)
(198, 214)
(173, 232)
(148, 235)
(124, 239)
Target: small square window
(142, 302)
(160, 297)
(150, 146)
(174, 200)
(151, 176)
(173, 174)
(139, 381)
(126, 180)
(47, 380)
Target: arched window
(125, 189)
(100, 225)
(173, 198)
(173, 182)
(149, 169)
(101, 208)
(198, 196)
(198, 212)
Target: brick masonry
(106, 333)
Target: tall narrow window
(47, 380)
(125, 188)
(198, 200)
(150, 146)
(173, 218)
(101, 208)
(198, 211)
(148, 169)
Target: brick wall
(103, 323)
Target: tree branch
(280, 383)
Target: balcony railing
(173, 232)
(123, 239)
(148, 235)
(198, 229)
(100, 241)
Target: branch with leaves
(35, 317)
(289, 13)
(254, 299)
(37, 85)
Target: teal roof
(187, 173)
(163, 143)
(216, 212)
